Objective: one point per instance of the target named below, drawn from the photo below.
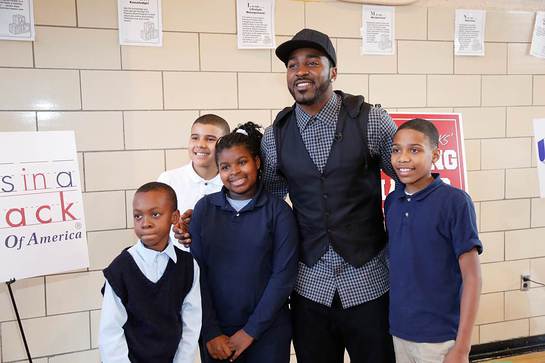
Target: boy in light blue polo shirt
(435, 278)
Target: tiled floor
(538, 357)
(526, 358)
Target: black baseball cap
(307, 38)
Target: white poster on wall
(378, 30)
(140, 22)
(469, 32)
(16, 20)
(42, 226)
(538, 38)
(539, 137)
(255, 24)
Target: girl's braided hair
(247, 135)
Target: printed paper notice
(378, 30)
(255, 24)
(469, 32)
(42, 226)
(140, 22)
(539, 137)
(16, 20)
(538, 39)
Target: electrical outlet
(524, 282)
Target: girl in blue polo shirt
(245, 241)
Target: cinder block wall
(132, 107)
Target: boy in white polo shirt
(200, 176)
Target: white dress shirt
(112, 342)
(189, 188)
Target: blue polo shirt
(428, 231)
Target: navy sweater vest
(154, 324)
(343, 204)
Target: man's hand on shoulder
(181, 229)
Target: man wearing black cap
(327, 151)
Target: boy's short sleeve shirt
(428, 231)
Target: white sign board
(469, 32)
(538, 38)
(140, 22)
(539, 133)
(16, 20)
(42, 227)
(255, 24)
(378, 30)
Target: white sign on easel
(538, 38)
(42, 226)
(469, 32)
(140, 22)
(539, 137)
(16, 20)
(378, 30)
(255, 24)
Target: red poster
(451, 164)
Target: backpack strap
(363, 122)
(278, 131)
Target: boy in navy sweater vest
(435, 276)
(152, 305)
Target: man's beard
(320, 91)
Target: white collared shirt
(189, 186)
(112, 342)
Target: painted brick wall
(132, 107)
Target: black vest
(154, 324)
(343, 204)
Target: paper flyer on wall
(539, 139)
(538, 38)
(42, 224)
(378, 30)
(17, 20)
(469, 32)
(255, 24)
(140, 22)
